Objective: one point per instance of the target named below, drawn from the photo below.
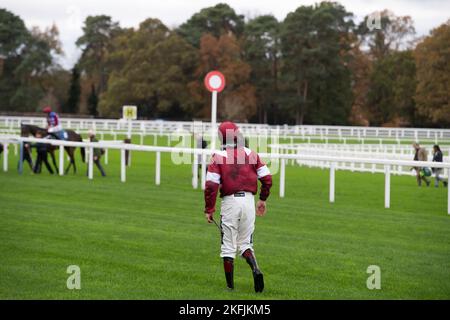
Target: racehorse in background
(27, 129)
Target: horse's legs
(70, 152)
(70, 162)
(68, 167)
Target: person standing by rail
(97, 153)
(235, 170)
(420, 155)
(438, 157)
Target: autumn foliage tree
(360, 66)
(238, 99)
(432, 58)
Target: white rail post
(448, 191)
(122, 166)
(387, 186)
(106, 156)
(91, 163)
(282, 178)
(158, 168)
(61, 160)
(332, 179)
(195, 171)
(203, 171)
(5, 157)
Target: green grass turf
(135, 240)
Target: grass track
(135, 240)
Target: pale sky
(69, 15)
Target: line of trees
(315, 67)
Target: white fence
(281, 158)
(391, 152)
(303, 131)
(392, 149)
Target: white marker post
(214, 82)
(213, 120)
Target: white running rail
(162, 126)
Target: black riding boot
(228, 266)
(257, 274)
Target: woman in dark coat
(438, 157)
